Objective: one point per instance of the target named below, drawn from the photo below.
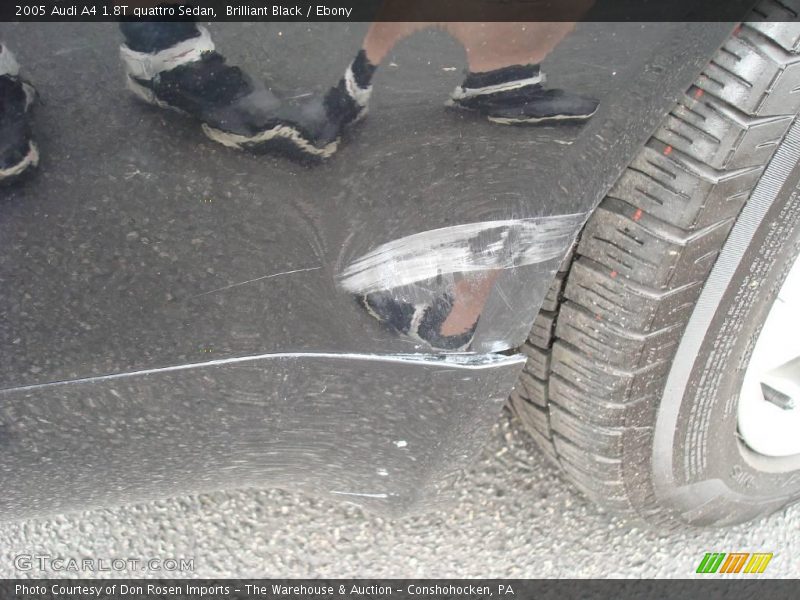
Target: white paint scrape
(463, 248)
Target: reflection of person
(18, 153)
(441, 314)
(175, 65)
(172, 65)
(504, 83)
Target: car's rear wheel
(663, 372)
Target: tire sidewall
(709, 462)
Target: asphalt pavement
(513, 516)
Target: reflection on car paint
(458, 266)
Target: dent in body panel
(252, 421)
(433, 286)
(463, 248)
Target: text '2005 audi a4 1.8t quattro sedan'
(324, 256)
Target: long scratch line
(241, 283)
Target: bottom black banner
(399, 589)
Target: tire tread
(602, 346)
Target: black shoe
(302, 131)
(310, 128)
(422, 322)
(515, 96)
(18, 153)
(192, 78)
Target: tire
(636, 358)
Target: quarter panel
(176, 315)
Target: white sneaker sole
(30, 160)
(238, 141)
(263, 138)
(534, 120)
(450, 103)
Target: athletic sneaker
(515, 95)
(236, 111)
(419, 321)
(301, 130)
(310, 128)
(18, 153)
(191, 77)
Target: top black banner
(396, 10)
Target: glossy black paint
(367, 429)
(143, 246)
